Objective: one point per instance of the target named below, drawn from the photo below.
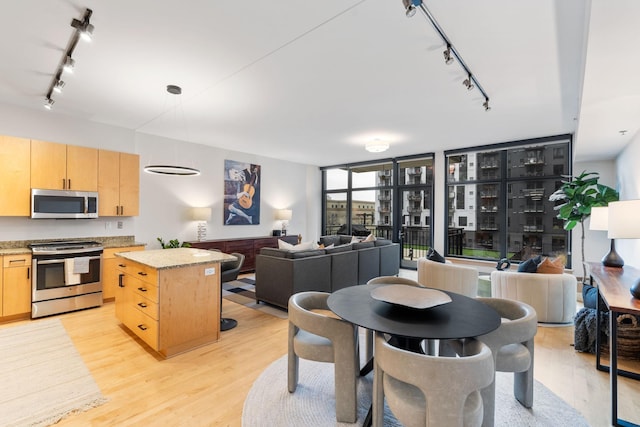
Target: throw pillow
(433, 255)
(530, 265)
(370, 238)
(284, 245)
(355, 239)
(503, 264)
(549, 266)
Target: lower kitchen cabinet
(16, 285)
(172, 310)
(109, 272)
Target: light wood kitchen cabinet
(118, 183)
(172, 309)
(15, 164)
(16, 284)
(63, 167)
(110, 272)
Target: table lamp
(284, 215)
(202, 215)
(625, 224)
(599, 221)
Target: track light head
(48, 103)
(485, 104)
(57, 88)
(409, 7)
(69, 63)
(468, 82)
(84, 28)
(448, 59)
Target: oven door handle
(60, 261)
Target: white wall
(628, 182)
(165, 200)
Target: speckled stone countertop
(174, 258)
(16, 247)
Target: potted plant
(175, 243)
(578, 195)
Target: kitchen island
(170, 298)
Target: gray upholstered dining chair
(448, 277)
(423, 390)
(512, 346)
(316, 336)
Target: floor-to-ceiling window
(498, 199)
(391, 199)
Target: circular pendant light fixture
(377, 146)
(172, 169)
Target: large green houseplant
(578, 195)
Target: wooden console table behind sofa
(248, 246)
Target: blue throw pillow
(433, 255)
(530, 265)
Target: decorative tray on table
(410, 296)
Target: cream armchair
(553, 296)
(448, 277)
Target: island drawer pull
(142, 289)
(142, 273)
(143, 327)
(120, 283)
(142, 304)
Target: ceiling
(314, 83)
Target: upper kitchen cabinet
(14, 174)
(63, 167)
(118, 183)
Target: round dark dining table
(463, 317)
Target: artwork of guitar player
(241, 193)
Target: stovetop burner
(66, 246)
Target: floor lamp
(599, 221)
(624, 224)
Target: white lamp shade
(283, 214)
(599, 219)
(624, 219)
(201, 214)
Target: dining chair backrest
(425, 390)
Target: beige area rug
(313, 404)
(242, 291)
(42, 376)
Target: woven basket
(628, 337)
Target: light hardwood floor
(207, 386)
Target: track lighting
(84, 30)
(57, 88)
(448, 59)
(451, 53)
(410, 9)
(467, 83)
(69, 64)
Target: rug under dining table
(268, 403)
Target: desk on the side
(613, 286)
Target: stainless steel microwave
(63, 204)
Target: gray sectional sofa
(281, 273)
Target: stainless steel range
(67, 276)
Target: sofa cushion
(382, 242)
(305, 254)
(433, 255)
(530, 265)
(330, 240)
(278, 253)
(549, 266)
(370, 238)
(344, 239)
(338, 249)
(362, 245)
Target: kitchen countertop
(175, 258)
(18, 247)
